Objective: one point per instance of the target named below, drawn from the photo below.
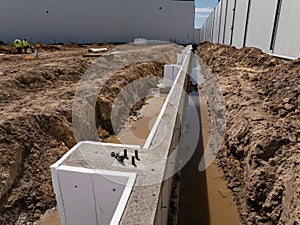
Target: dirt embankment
(36, 121)
(153, 71)
(260, 155)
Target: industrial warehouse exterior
(271, 25)
(96, 21)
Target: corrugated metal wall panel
(207, 28)
(261, 32)
(288, 35)
(223, 20)
(239, 23)
(213, 26)
(210, 27)
(216, 24)
(206, 31)
(229, 19)
(97, 21)
(202, 33)
(261, 23)
(207, 34)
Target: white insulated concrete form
(91, 187)
(102, 195)
(170, 74)
(95, 21)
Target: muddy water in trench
(204, 197)
(137, 129)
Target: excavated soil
(36, 120)
(260, 153)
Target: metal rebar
(125, 154)
(133, 161)
(136, 154)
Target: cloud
(203, 10)
(201, 16)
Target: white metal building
(271, 25)
(94, 21)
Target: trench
(135, 131)
(203, 196)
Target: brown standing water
(204, 197)
(138, 128)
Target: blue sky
(203, 10)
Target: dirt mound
(30, 144)
(33, 136)
(5, 49)
(115, 84)
(260, 155)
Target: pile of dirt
(113, 86)
(5, 49)
(260, 155)
(35, 131)
(36, 121)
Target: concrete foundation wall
(94, 21)
(163, 207)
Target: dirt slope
(260, 155)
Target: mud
(260, 153)
(222, 209)
(36, 121)
(138, 126)
(204, 195)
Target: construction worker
(18, 45)
(26, 45)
